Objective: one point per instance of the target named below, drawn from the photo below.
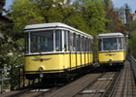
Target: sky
(131, 3)
(8, 4)
(117, 3)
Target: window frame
(29, 52)
(78, 40)
(61, 41)
(117, 39)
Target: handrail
(3, 78)
(133, 65)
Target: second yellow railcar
(112, 48)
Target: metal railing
(3, 78)
(132, 60)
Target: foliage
(132, 26)
(94, 15)
(24, 12)
(88, 16)
(132, 44)
(113, 24)
(132, 40)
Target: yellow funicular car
(55, 48)
(112, 48)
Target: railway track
(51, 92)
(106, 84)
(90, 84)
(124, 86)
(74, 88)
(99, 87)
(31, 92)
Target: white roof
(44, 26)
(111, 35)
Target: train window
(110, 44)
(41, 41)
(81, 41)
(124, 43)
(66, 40)
(58, 40)
(89, 45)
(120, 43)
(100, 44)
(71, 39)
(77, 42)
(74, 42)
(86, 44)
(26, 42)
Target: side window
(120, 43)
(124, 43)
(86, 44)
(89, 47)
(66, 40)
(91, 43)
(78, 43)
(100, 44)
(70, 41)
(74, 42)
(26, 42)
(83, 43)
(58, 39)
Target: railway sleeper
(93, 91)
(105, 79)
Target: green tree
(132, 34)
(132, 44)
(114, 23)
(88, 16)
(24, 12)
(94, 15)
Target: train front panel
(112, 57)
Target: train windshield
(110, 44)
(41, 41)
